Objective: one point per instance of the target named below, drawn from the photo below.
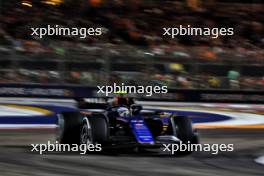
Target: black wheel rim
(86, 135)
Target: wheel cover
(86, 135)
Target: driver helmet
(123, 112)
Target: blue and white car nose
(141, 132)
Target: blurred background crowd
(132, 48)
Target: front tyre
(181, 127)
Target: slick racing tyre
(69, 128)
(181, 127)
(86, 133)
(94, 129)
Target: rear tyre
(69, 128)
(94, 130)
(86, 133)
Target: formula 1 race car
(122, 123)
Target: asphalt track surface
(248, 144)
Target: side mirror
(135, 109)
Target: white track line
(260, 160)
(7, 111)
(27, 126)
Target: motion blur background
(132, 49)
